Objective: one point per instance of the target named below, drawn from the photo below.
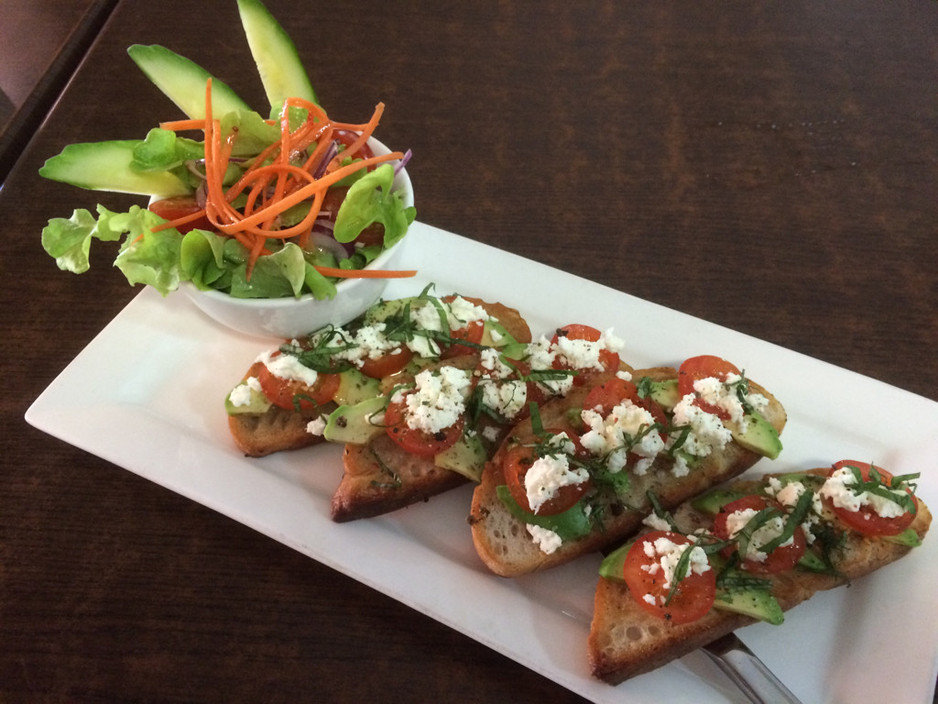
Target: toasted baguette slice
(278, 429)
(274, 430)
(260, 434)
(380, 477)
(625, 640)
(502, 540)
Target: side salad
(258, 207)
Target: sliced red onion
(327, 243)
(327, 157)
(201, 194)
(402, 162)
(194, 167)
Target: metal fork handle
(748, 672)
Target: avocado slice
(613, 565)
(275, 55)
(467, 457)
(106, 166)
(257, 403)
(760, 436)
(711, 502)
(183, 81)
(355, 387)
(757, 603)
(353, 424)
(570, 524)
(665, 393)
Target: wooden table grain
(40, 46)
(771, 168)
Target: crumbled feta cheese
(288, 367)
(317, 426)
(540, 356)
(548, 474)
(838, 489)
(788, 495)
(707, 432)
(656, 522)
(494, 366)
(666, 554)
(490, 433)
(680, 468)
(723, 395)
(583, 354)
(438, 400)
(506, 398)
(547, 540)
(241, 394)
(427, 318)
(765, 534)
(623, 431)
(462, 312)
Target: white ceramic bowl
(293, 317)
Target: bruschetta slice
(746, 553)
(579, 474)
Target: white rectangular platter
(147, 392)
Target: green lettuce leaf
(371, 200)
(202, 258)
(254, 133)
(163, 150)
(68, 240)
(145, 257)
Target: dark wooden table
(769, 168)
(40, 46)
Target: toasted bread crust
(257, 435)
(380, 477)
(509, 318)
(625, 640)
(502, 541)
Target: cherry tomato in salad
(178, 207)
(782, 558)
(867, 521)
(415, 441)
(703, 367)
(387, 364)
(690, 599)
(296, 395)
(345, 138)
(515, 465)
(608, 359)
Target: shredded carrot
(181, 220)
(182, 125)
(365, 273)
(273, 183)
